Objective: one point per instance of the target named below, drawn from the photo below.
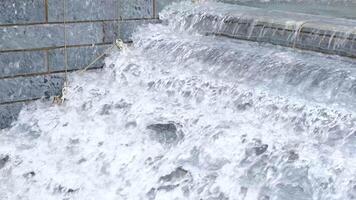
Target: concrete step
(309, 32)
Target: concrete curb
(317, 33)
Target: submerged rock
(151, 195)
(292, 156)
(29, 174)
(175, 175)
(3, 160)
(170, 127)
(64, 190)
(171, 181)
(167, 188)
(131, 124)
(219, 196)
(106, 109)
(167, 134)
(260, 149)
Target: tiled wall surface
(32, 41)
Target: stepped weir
(309, 32)
(200, 106)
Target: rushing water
(319, 33)
(183, 116)
(333, 8)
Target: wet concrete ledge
(317, 33)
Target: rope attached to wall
(61, 98)
(118, 43)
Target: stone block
(22, 11)
(20, 63)
(84, 33)
(110, 31)
(31, 37)
(78, 57)
(91, 33)
(26, 88)
(52, 35)
(135, 9)
(82, 10)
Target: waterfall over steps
(182, 114)
(309, 32)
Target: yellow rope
(65, 40)
(96, 59)
(118, 43)
(61, 98)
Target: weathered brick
(110, 31)
(91, 32)
(30, 37)
(78, 58)
(44, 36)
(135, 9)
(84, 33)
(19, 63)
(9, 113)
(22, 11)
(82, 10)
(25, 88)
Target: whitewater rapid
(180, 115)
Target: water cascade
(309, 32)
(183, 114)
(331, 8)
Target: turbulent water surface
(333, 8)
(179, 115)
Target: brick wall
(32, 41)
